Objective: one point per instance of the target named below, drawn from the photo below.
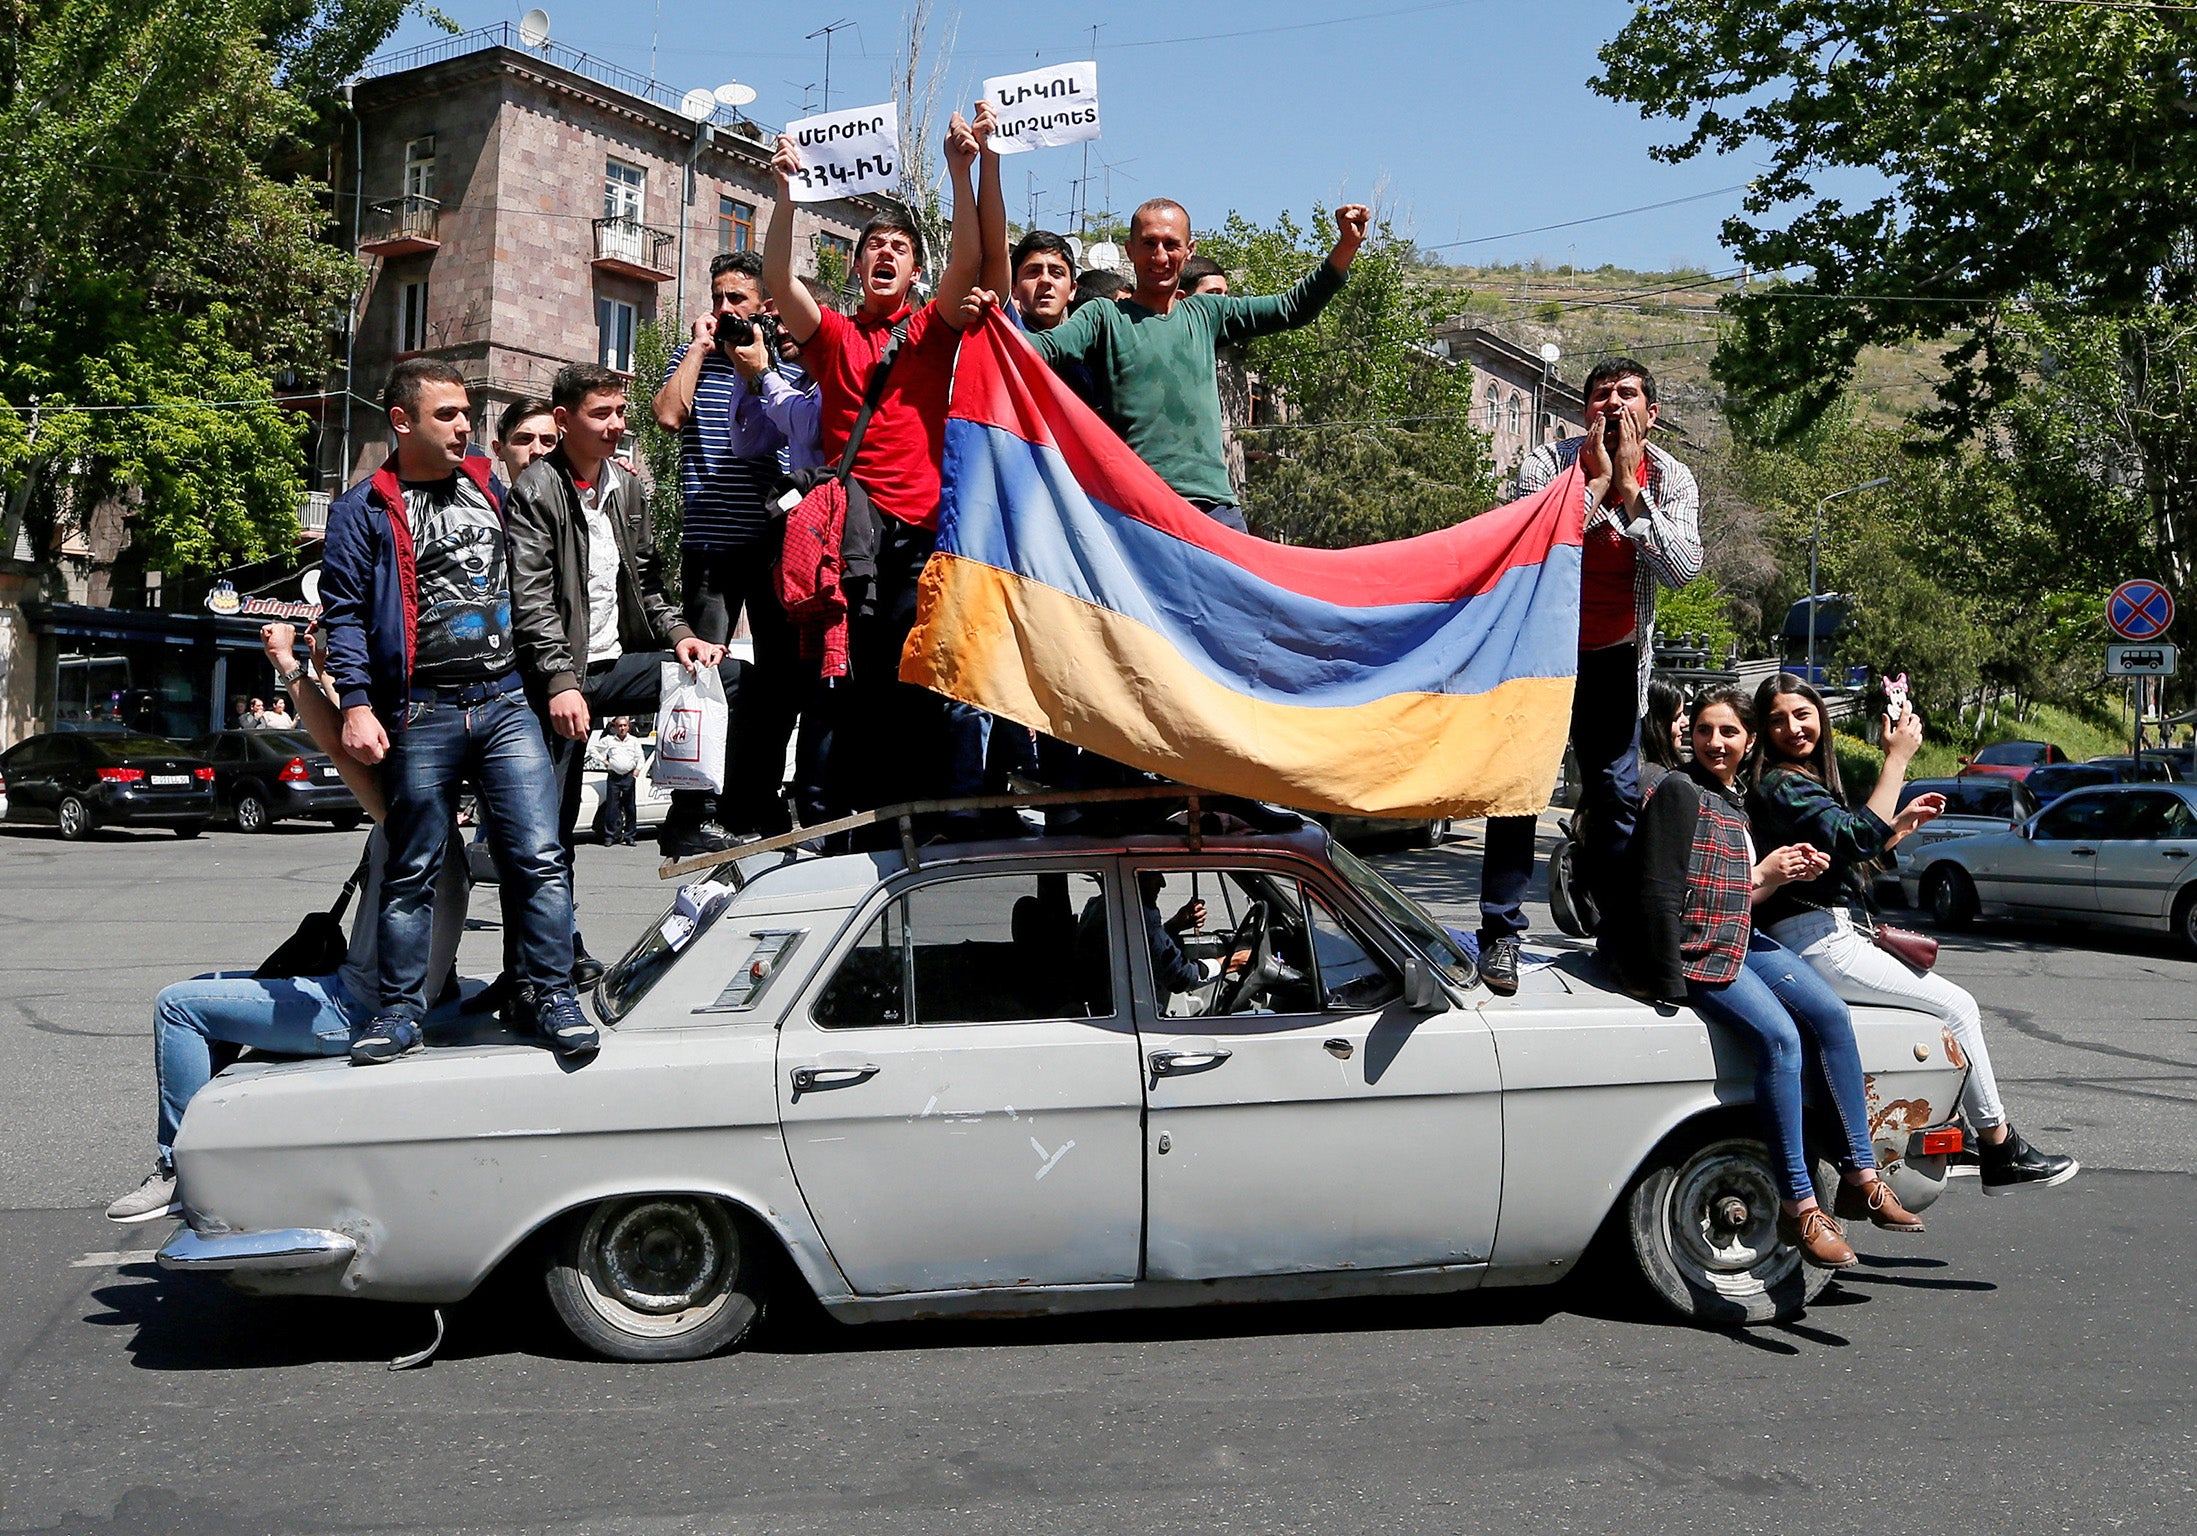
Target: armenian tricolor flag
(1073, 591)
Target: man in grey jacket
(589, 615)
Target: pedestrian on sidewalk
(621, 767)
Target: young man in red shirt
(1643, 531)
(906, 742)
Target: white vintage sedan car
(1022, 1077)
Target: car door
(960, 1093)
(1324, 1126)
(30, 787)
(52, 762)
(2054, 870)
(2143, 855)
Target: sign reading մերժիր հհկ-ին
(846, 153)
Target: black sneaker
(688, 842)
(1499, 966)
(559, 1019)
(2015, 1164)
(385, 1037)
(586, 969)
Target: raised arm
(1264, 314)
(997, 272)
(965, 255)
(795, 305)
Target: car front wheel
(1950, 896)
(1703, 1225)
(656, 1277)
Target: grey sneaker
(151, 1200)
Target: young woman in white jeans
(1797, 798)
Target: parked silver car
(1978, 803)
(2121, 855)
(1017, 1078)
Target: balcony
(313, 514)
(633, 249)
(399, 226)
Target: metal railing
(635, 243)
(313, 512)
(506, 35)
(399, 218)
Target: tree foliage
(159, 248)
(1379, 443)
(658, 450)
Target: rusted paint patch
(1953, 1051)
(1898, 1119)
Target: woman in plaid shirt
(1699, 881)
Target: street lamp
(1815, 547)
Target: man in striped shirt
(728, 476)
(1643, 531)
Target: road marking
(117, 1260)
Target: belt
(468, 693)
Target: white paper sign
(842, 153)
(1057, 105)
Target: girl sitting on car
(1797, 797)
(1698, 880)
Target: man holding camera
(728, 478)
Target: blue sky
(1470, 118)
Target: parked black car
(75, 781)
(262, 777)
(2048, 784)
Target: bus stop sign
(2139, 610)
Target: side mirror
(1423, 991)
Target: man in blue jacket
(416, 583)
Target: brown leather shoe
(1816, 1235)
(1875, 1203)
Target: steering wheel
(1251, 983)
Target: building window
(1495, 407)
(412, 316)
(419, 166)
(1511, 417)
(625, 189)
(841, 259)
(614, 320)
(735, 225)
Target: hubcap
(662, 1259)
(1723, 1222)
(72, 817)
(249, 814)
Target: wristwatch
(285, 679)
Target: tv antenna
(534, 28)
(825, 32)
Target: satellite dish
(733, 94)
(533, 27)
(1075, 249)
(698, 104)
(310, 586)
(1104, 254)
(1550, 352)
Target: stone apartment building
(522, 208)
(1519, 400)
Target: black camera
(739, 331)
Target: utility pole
(825, 32)
(1815, 546)
(1083, 223)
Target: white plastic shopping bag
(690, 730)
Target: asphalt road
(2026, 1366)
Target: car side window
(982, 949)
(2078, 818)
(1248, 908)
(1354, 978)
(2154, 817)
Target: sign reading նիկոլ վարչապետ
(1044, 108)
(846, 153)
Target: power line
(1542, 229)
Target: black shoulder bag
(319, 947)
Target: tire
(1429, 834)
(74, 819)
(656, 1277)
(347, 821)
(185, 830)
(1950, 895)
(1703, 1229)
(1565, 890)
(251, 813)
(2185, 919)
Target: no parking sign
(2139, 610)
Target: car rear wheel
(2185, 919)
(251, 813)
(74, 818)
(1703, 1225)
(656, 1277)
(1950, 895)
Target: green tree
(159, 248)
(653, 346)
(1378, 442)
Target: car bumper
(291, 1250)
(145, 805)
(316, 800)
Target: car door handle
(2173, 853)
(1178, 1063)
(811, 1079)
(2084, 853)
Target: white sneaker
(151, 1200)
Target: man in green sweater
(1152, 353)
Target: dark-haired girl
(1699, 880)
(1797, 797)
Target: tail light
(1942, 1142)
(293, 772)
(121, 775)
(206, 775)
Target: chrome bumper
(288, 1251)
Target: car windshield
(1428, 936)
(2014, 754)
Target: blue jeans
(294, 1016)
(1605, 733)
(497, 744)
(1793, 1018)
